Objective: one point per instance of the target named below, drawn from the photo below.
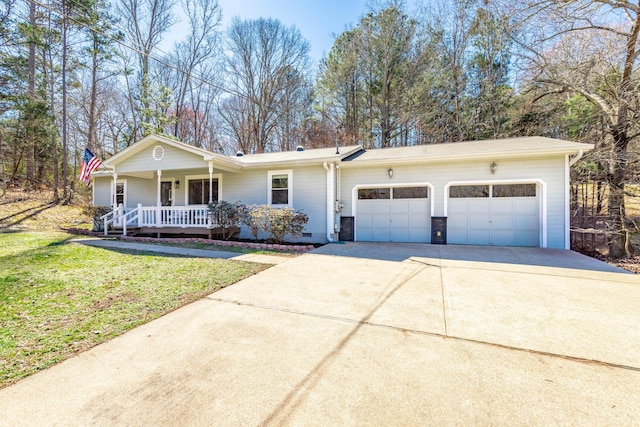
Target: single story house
(507, 192)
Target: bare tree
(265, 60)
(192, 58)
(145, 21)
(588, 47)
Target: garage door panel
(418, 222)
(525, 205)
(501, 205)
(478, 206)
(365, 234)
(399, 235)
(457, 221)
(418, 206)
(397, 220)
(457, 206)
(526, 238)
(380, 207)
(417, 235)
(502, 221)
(479, 221)
(400, 221)
(399, 207)
(381, 235)
(457, 236)
(478, 237)
(380, 221)
(495, 220)
(503, 237)
(526, 222)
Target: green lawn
(58, 298)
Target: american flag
(89, 163)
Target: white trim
(113, 189)
(331, 200)
(354, 198)
(173, 190)
(289, 173)
(217, 176)
(542, 209)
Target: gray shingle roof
(510, 147)
(311, 155)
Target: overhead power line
(190, 74)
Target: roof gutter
(573, 160)
(330, 209)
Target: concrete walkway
(369, 334)
(175, 250)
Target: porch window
(198, 190)
(280, 188)
(121, 193)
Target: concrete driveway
(370, 334)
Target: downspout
(330, 198)
(573, 160)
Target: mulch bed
(630, 264)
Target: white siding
(549, 170)
(309, 194)
(102, 191)
(174, 158)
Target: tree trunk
(91, 133)
(65, 178)
(29, 136)
(619, 245)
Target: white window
(197, 189)
(121, 192)
(280, 188)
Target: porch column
(114, 190)
(159, 199)
(210, 182)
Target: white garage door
(398, 214)
(501, 215)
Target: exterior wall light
(177, 184)
(492, 167)
(390, 171)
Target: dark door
(166, 193)
(346, 229)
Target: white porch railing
(158, 217)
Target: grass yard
(59, 298)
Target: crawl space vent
(158, 152)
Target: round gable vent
(158, 152)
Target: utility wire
(138, 50)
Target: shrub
(253, 217)
(226, 215)
(96, 212)
(280, 222)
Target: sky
(317, 20)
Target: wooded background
(90, 73)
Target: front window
(198, 191)
(120, 196)
(280, 188)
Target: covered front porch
(160, 220)
(165, 189)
